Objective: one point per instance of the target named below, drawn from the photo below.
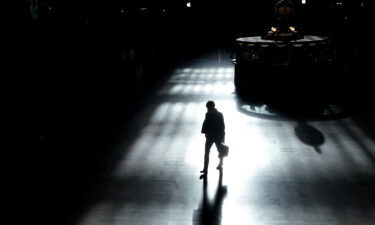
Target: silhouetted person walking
(213, 127)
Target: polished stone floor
(279, 171)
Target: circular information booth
(306, 40)
(281, 65)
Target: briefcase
(223, 150)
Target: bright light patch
(221, 70)
(212, 70)
(188, 4)
(197, 70)
(229, 70)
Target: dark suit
(214, 129)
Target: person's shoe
(203, 176)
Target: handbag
(223, 150)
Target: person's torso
(214, 123)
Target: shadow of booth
(309, 135)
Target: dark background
(76, 71)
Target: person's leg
(208, 145)
(220, 166)
(218, 144)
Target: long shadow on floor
(309, 135)
(290, 109)
(298, 111)
(210, 212)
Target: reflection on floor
(277, 171)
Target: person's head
(210, 105)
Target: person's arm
(204, 126)
(222, 122)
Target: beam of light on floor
(271, 176)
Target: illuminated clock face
(284, 10)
